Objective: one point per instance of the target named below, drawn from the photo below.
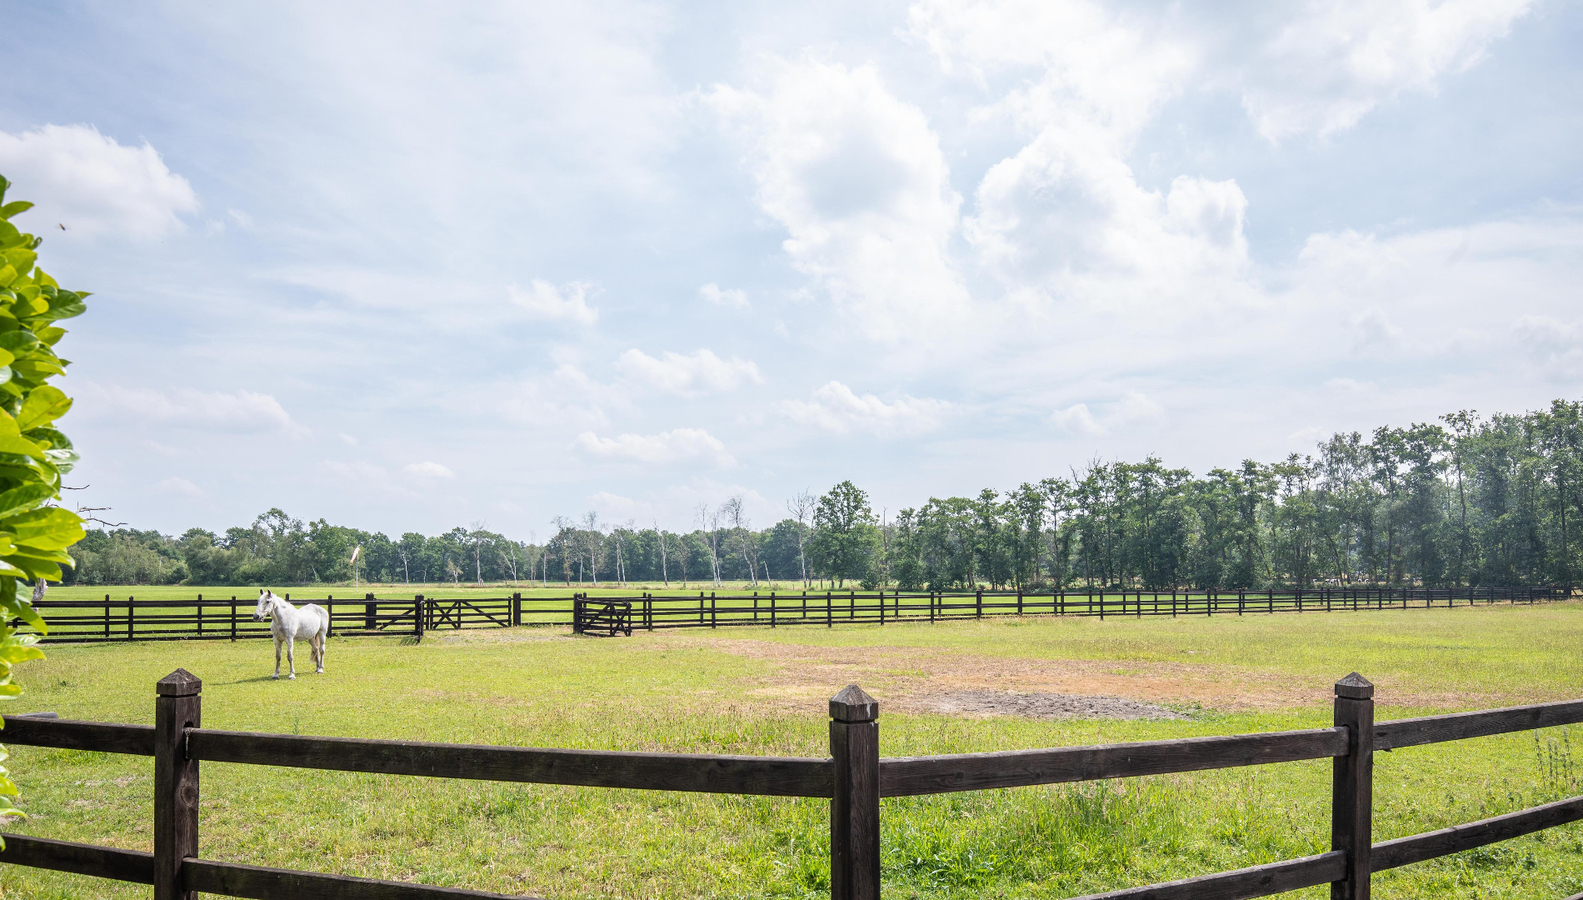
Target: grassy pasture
(758, 691)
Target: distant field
(758, 691)
(444, 589)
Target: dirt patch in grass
(909, 679)
(1042, 706)
(802, 677)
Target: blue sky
(407, 268)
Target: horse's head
(266, 605)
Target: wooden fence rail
(854, 778)
(231, 618)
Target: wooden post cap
(180, 683)
(852, 705)
(1355, 687)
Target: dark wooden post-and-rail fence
(853, 779)
(212, 619)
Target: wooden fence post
(418, 613)
(176, 708)
(233, 617)
(1352, 788)
(854, 807)
(370, 612)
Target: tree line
(1462, 501)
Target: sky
(405, 267)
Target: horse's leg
(277, 659)
(291, 656)
(319, 638)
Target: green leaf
(50, 334)
(37, 367)
(51, 528)
(32, 568)
(20, 342)
(16, 653)
(9, 236)
(66, 308)
(43, 406)
(50, 438)
(12, 441)
(13, 208)
(23, 498)
(20, 259)
(64, 459)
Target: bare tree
(593, 543)
(508, 556)
(478, 537)
(620, 532)
(709, 523)
(802, 507)
(736, 516)
(664, 568)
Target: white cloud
(1559, 345)
(699, 372)
(836, 408)
(1132, 408)
(1078, 420)
(567, 396)
(858, 180)
(1087, 64)
(428, 469)
(93, 185)
(714, 294)
(181, 486)
(348, 439)
(1372, 329)
(244, 412)
(676, 446)
(1064, 218)
(364, 477)
(1336, 61)
(545, 301)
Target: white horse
(288, 623)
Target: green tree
(34, 533)
(846, 539)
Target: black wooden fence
(854, 778)
(231, 618)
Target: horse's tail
(324, 626)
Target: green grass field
(758, 691)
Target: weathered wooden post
(516, 608)
(854, 807)
(176, 709)
(370, 612)
(1352, 788)
(418, 613)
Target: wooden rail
(231, 618)
(854, 778)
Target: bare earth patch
(1042, 706)
(929, 680)
(912, 679)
